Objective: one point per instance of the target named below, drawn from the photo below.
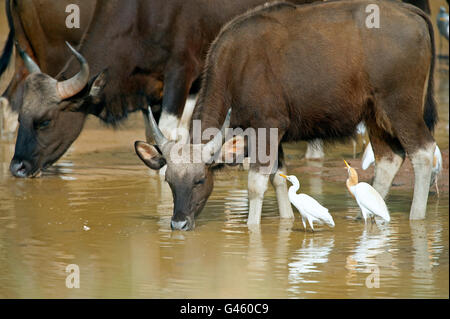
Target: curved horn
(31, 66)
(213, 146)
(157, 135)
(73, 86)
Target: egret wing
(368, 198)
(314, 209)
(437, 165)
(368, 157)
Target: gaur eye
(200, 181)
(43, 124)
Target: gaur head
(191, 180)
(51, 116)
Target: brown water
(101, 209)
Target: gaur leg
(257, 186)
(261, 168)
(280, 185)
(422, 159)
(389, 157)
(177, 83)
(417, 141)
(314, 150)
(186, 118)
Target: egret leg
(364, 215)
(310, 221)
(354, 148)
(304, 224)
(437, 188)
(257, 186)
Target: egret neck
(295, 185)
(294, 188)
(352, 178)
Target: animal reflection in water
(306, 259)
(372, 251)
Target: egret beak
(284, 176)
(348, 166)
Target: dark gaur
(46, 111)
(153, 51)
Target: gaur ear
(93, 91)
(149, 155)
(97, 85)
(233, 150)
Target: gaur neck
(211, 116)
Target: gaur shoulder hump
(250, 15)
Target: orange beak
(284, 176)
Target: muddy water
(101, 209)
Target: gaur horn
(31, 66)
(73, 86)
(157, 135)
(216, 143)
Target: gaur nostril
(19, 169)
(179, 225)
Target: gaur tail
(430, 114)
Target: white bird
(360, 130)
(308, 207)
(368, 199)
(437, 168)
(368, 157)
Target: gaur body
(316, 71)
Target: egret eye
(44, 124)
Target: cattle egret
(368, 199)
(368, 157)
(308, 207)
(437, 168)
